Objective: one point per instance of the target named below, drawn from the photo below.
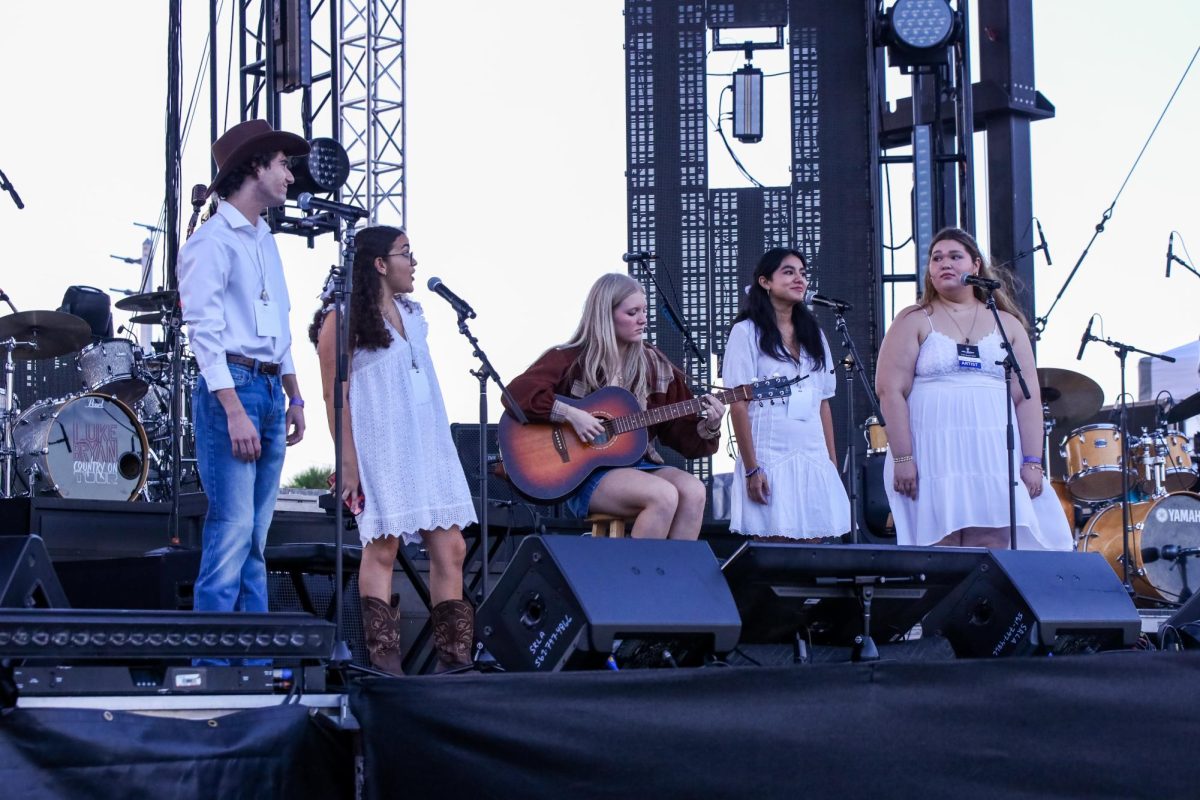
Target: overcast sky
(516, 157)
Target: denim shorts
(577, 502)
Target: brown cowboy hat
(247, 138)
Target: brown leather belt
(265, 367)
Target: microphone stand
(671, 313)
(1185, 265)
(1010, 366)
(1039, 324)
(852, 365)
(341, 276)
(1122, 351)
(485, 372)
(6, 186)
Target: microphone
(1173, 552)
(1087, 337)
(461, 306)
(981, 282)
(813, 299)
(1042, 236)
(1170, 252)
(309, 203)
(628, 257)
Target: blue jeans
(241, 494)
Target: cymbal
(1185, 409)
(150, 301)
(156, 318)
(56, 333)
(1069, 396)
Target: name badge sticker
(968, 356)
(266, 318)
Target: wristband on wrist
(1031, 460)
(901, 459)
(752, 472)
(296, 401)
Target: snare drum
(1093, 455)
(89, 447)
(1179, 473)
(112, 367)
(876, 436)
(1170, 520)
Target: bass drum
(89, 447)
(1170, 520)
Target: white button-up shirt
(223, 271)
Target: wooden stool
(607, 526)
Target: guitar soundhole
(605, 438)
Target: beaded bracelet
(901, 459)
(751, 473)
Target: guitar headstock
(772, 388)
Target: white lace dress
(807, 498)
(958, 418)
(411, 475)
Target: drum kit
(1157, 465)
(112, 438)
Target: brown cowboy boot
(453, 634)
(381, 624)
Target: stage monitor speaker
(819, 591)
(27, 578)
(1036, 602)
(568, 602)
(1181, 631)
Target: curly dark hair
(758, 309)
(367, 329)
(233, 181)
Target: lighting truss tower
(372, 113)
(356, 92)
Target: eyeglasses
(408, 255)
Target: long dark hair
(758, 309)
(367, 329)
(366, 323)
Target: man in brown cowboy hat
(235, 303)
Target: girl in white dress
(400, 471)
(942, 394)
(786, 483)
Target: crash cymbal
(1185, 409)
(150, 301)
(1069, 396)
(56, 333)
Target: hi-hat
(158, 318)
(1070, 397)
(150, 301)
(56, 333)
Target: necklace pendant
(265, 297)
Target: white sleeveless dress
(957, 418)
(807, 499)
(411, 475)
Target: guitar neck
(655, 416)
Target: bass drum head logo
(1161, 515)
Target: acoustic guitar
(548, 461)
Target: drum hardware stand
(851, 366)
(485, 372)
(9, 452)
(1010, 366)
(1122, 352)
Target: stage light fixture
(748, 104)
(324, 170)
(918, 32)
